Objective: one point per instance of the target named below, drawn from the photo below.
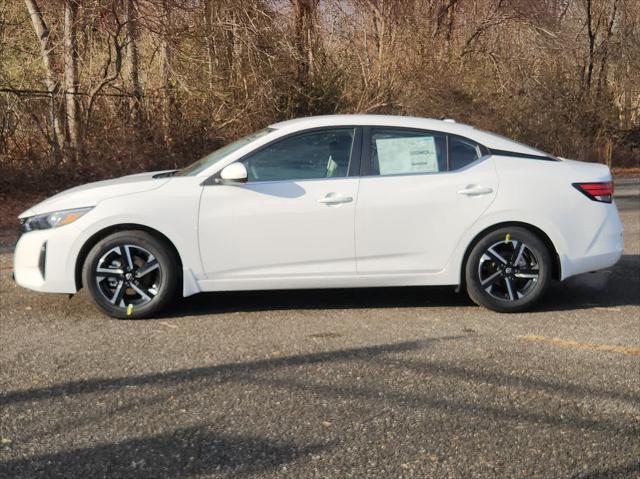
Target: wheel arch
(103, 233)
(544, 237)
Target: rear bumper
(590, 264)
(603, 251)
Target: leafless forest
(100, 88)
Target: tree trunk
(50, 80)
(304, 11)
(168, 99)
(71, 77)
(230, 35)
(304, 23)
(133, 57)
(604, 47)
(592, 43)
(208, 27)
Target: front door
(293, 221)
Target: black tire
(508, 287)
(123, 268)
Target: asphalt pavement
(393, 382)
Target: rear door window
(395, 151)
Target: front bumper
(41, 261)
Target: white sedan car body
(334, 201)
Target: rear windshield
(528, 149)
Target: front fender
(173, 213)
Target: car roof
(490, 140)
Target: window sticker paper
(397, 156)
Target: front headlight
(52, 220)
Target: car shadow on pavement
(607, 289)
(223, 372)
(386, 356)
(618, 287)
(309, 299)
(181, 453)
(200, 450)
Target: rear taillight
(601, 191)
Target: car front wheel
(130, 275)
(508, 270)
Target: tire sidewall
(539, 249)
(168, 271)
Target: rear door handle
(475, 190)
(332, 199)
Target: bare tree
(207, 12)
(53, 86)
(71, 76)
(133, 59)
(304, 12)
(591, 37)
(168, 90)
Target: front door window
(312, 155)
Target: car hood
(92, 193)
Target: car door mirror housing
(233, 174)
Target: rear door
(419, 192)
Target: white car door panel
(410, 224)
(278, 229)
(293, 219)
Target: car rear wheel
(508, 270)
(130, 275)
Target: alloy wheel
(127, 275)
(508, 270)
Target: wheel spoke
(527, 273)
(147, 268)
(510, 289)
(493, 254)
(491, 279)
(126, 255)
(145, 293)
(119, 293)
(109, 272)
(518, 249)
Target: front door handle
(475, 190)
(333, 199)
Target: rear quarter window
(462, 152)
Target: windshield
(212, 158)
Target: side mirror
(233, 174)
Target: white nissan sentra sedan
(330, 202)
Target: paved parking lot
(413, 382)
